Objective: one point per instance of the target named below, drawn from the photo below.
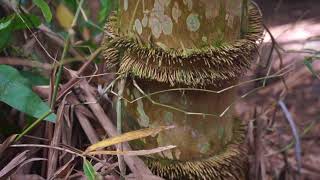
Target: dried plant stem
(134, 153)
(75, 77)
(294, 132)
(59, 72)
(121, 87)
(53, 154)
(83, 119)
(46, 146)
(135, 164)
(24, 62)
(292, 143)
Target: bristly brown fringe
(198, 67)
(217, 66)
(230, 164)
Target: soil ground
(296, 27)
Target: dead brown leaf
(144, 177)
(27, 177)
(81, 113)
(7, 143)
(133, 153)
(53, 154)
(64, 170)
(13, 165)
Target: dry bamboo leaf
(6, 143)
(133, 153)
(87, 127)
(80, 112)
(110, 177)
(32, 160)
(27, 176)
(53, 154)
(144, 177)
(126, 137)
(83, 110)
(63, 171)
(67, 128)
(13, 164)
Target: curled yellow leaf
(129, 136)
(64, 16)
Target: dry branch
(25, 62)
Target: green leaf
(5, 31)
(21, 21)
(89, 170)
(44, 8)
(105, 10)
(71, 4)
(15, 22)
(35, 78)
(5, 24)
(308, 63)
(16, 91)
(106, 7)
(92, 24)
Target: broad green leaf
(16, 91)
(89, 170)
(21, 21)
(45, 9)
(35, 78)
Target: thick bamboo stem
(182, 23)
(200, 44)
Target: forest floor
(295, 25)
(283, 116)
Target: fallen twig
(295, 133)
(25, 62)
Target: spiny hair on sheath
(199, 67)
(230, 164)
(209, 65)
